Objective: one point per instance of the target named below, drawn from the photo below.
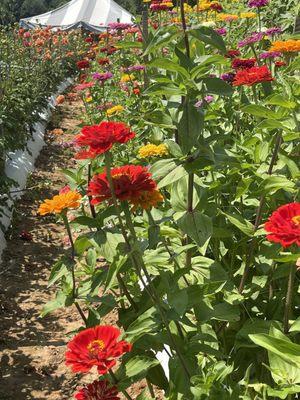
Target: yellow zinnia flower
(152, 150)
(127, 78)
(248, 14)
(114, 110)
(89, 99)
(227, 17)
(60, 203)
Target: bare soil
(32, 348)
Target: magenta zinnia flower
(102, 77)
(258, 3)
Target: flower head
(243, 63)
(114, 110)
(96, 346)
(221, 31)
(83, 64)
(102, 77)
(131, 182)
(103, 61)
(286, 46)
(269, 55)
(152, 150)
(283, 225)
(84, 86)
(100, 138)
(248, 15)
(127, 78)
(228, 77)
(60, 203)
(98, 390)
(253, 38)
(251, 76)
(258, 3)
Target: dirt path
(32, 348)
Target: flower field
(182, 209)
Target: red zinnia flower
(232, 53)
(284, 225)
(83, 64)
(253, 75)
(95, 346)
(83, 86)
(240, 63)
(103, 61)
(100, 138)
(280, 63)
(98, 390)
(130, 183)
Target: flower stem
(115, 381)
(123, 230)
(140, 266)
(93, 212)
(67, 225)
(259, 213)
(288, 300)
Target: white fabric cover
(93, 15)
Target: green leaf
(113, 270)
(190, 126)
(177, 173)
(169, 65)
(58, 302)
(58, 270)
(288, 351)
(272, 184)
(147, 322)
(139, 365)
(260, 111)
(242, 224)
(280, 100)
(198, 226)
(218, 86)
(209, 36)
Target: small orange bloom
(57, 132)
(60, 99)
(60, 203)
(147, 200)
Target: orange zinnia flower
(60, 203)
(286, 46)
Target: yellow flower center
(296, 220)
(96, 346)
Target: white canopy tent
(93, 15)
